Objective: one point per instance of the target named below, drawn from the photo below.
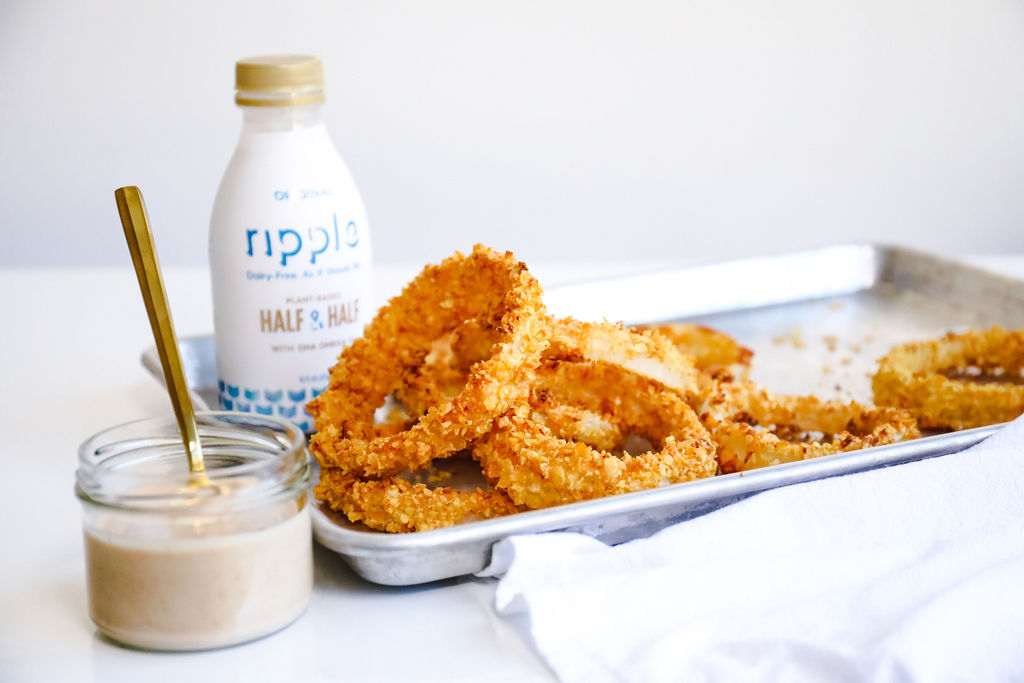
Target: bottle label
(289, 404)
(292, 285)
(270, 248)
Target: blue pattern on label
(287, 403)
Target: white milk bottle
(289, 245)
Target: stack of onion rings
(914, 376)
(554, 411)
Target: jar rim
(142, 464)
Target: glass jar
(177, 563)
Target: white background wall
(646, 129)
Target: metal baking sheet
(817, 321)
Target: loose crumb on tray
(794, 337)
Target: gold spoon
(140, 243)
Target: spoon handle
(135, 221)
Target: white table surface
(71, 342)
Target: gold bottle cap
(279, 81)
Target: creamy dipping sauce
(199, 592)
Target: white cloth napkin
(914, 572)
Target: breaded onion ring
(754, 428)
(437, 380)
(576, 423)
(486, 286)
(644, 353)
(445, 370)
(913, 376)
(647, 354)
(712, 350)
(471, 342)
(396, 505)
(539, 468)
